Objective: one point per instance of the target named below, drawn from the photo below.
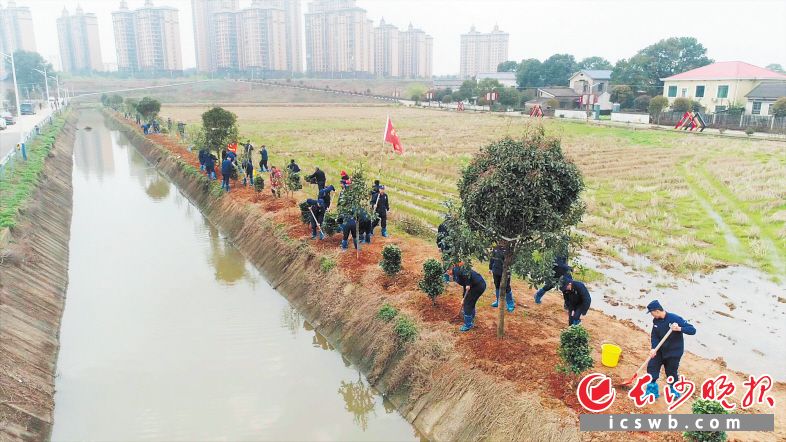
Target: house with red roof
(718, 85)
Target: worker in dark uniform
(474, 285)
(670, 353)
(317, 208)
(293, 167)
(202, 158)
(365, 228)
(381, 206)
(495, 265)
(324, 194)
(210, 165)
(577, 300)
(348, 228)
(226, 171)
(263, 160)
(561, 270)
(318, 178)
(248, 168)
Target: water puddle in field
(170, 334)
(739, 313)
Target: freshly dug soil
(450, 385)
(33, 282)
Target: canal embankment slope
(33, 282)
(434, 388)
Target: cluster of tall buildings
(341, 40)
(482, 52)
(266, 37)
(147, 39)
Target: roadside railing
(19, 151)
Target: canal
(169, 333)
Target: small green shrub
(432, 283)
(414, 226)
(405, 329)
(387, 312)
(391, 259)
(259, 183)
(293, 182)
(574, 350)
(330, 223)
(326, 264)
(305, 214)
(750, 131)
(706, 406)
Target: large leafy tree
(530, 73)
(663, 59)
(776, 67)
(148, 107)
(26, 63)
(558, 68)
(507, 66)
(522, 195)
(595, 63)
(219, 127)
(468, 89)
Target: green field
(688, 202)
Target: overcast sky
(747, 30)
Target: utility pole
(46, 82)
(16, 86)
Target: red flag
(232, 147)
(392, 137)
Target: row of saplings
(518, 196)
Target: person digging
(474, 285)
(670, 352)
(577, 299)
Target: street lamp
(57, 81)
(46, 82)
(16, 86)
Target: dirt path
(33, 280)
(527, 356)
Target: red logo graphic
(718, 388)
(763, 385)
(639, 394)
(684, 389)
(595, 392)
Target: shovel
(635, 375)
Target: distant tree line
(641, 73)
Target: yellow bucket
(610, 355)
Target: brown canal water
(170, 334)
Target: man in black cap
(577, 299)
(670, 353)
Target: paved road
(11, 135)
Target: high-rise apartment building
(482, 52)
(293, 18)
(148, 38)
(205, 31)
(16, 31)
(415, 53)
(262, 33)
(80, 49)
(386, 47)
(229, 39)
(339, 39)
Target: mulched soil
(527, 356)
